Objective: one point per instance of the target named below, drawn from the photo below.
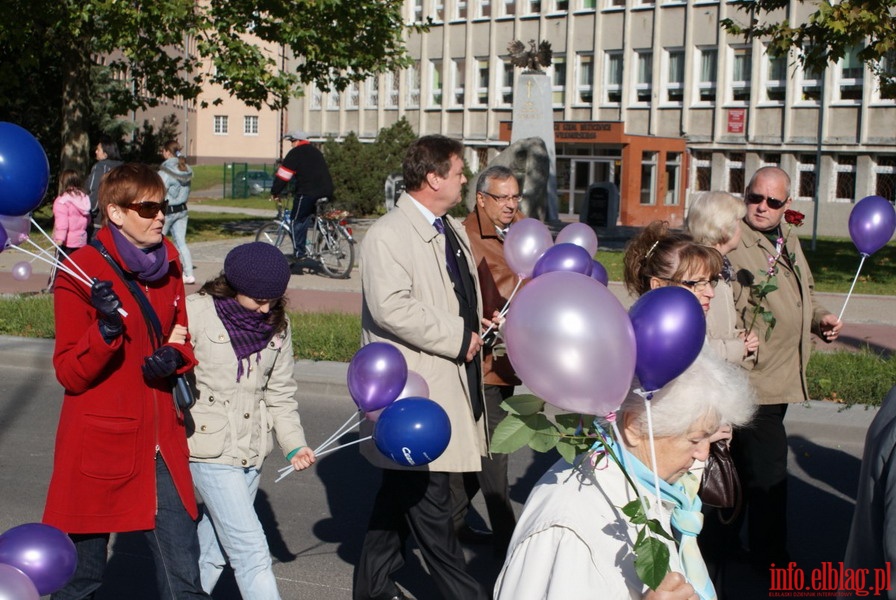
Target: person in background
(245, 390)
(177, 175)
(107, 158)
(497, 207)
(121, 457)
(779, 375)
(421, 294)
(573, 539)
(305, 166)
(71, 212)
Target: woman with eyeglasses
(121, 456)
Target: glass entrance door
(584, 172)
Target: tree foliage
(827, 34)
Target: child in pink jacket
(71, 212)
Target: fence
(242, 180)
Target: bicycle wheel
(335, 251)
(276, 233)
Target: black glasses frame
(148, 210)
(773, 203)
(503, 199)
(698, 286)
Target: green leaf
(511, 434)
(656, 527)
(632, 509)
(568, 452)
(523, 404)
(544, 441)
(569, 423)
(651, 561)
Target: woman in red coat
(121, 459)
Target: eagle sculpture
(535, 58)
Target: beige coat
(722, 330)
(780, 372)
(409, 301)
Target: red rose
(794, 217)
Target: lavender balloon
(21, 271)
(16, 228)
(579, 234)
(669, 329)
(570, 340)
(564, 257)
(376, 375)
(599, 273)
(3, 238)
(45, 554)
(525, 242)
(871, 224)
(416, 386)
(15, 585)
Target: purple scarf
(147, 265)
(249, 330)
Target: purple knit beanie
(257, 270)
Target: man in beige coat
(779, 375)
(427, 303)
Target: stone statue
(534, 59)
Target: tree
(48, 82)
(827, 34)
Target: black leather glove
(162, 363)
(104, 299)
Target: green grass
(862, 377)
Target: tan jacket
(722, 330)
(780, 372)
(497, 282)
(409, 301)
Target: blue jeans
(176, 223)
(173, 543)
(229, 529)
(303, 210)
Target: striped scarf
(249, 331)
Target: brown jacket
(780, 372)
(496, 281)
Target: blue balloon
(670, 328)
(412, 431)
(599, 272)
(564, 257)
(871, 224)
(24, 171)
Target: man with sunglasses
(779, 375)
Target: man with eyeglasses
(497, 207)
(779, 375)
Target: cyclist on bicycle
(306, 167)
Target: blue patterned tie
(450, 259)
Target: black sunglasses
(148, 210)
(773, 203)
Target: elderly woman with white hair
(573, 539)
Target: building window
(615, 3)
(702, 161)
(613, 78)
(775, 78)
(885, 177)
(770, 159)
(458, 78)
(413, 86)
(372, 89)
(886, 65)
(734, 164)
(706, 87)
(648, 178)
(673, 175)
(850, 76)
(352, 95)
(810, 84)
(393, 89)
(806, 179)
(317, 98)
(333, 99)
(589, 4)
(560, 5)
(220, 124)
(506, 87)
(460, 10)
(585, 78)
(435, 83)
(509, 7)
(558, 82)
(643, 86)
(250, 125)
(482, 81)
(673, 93)
(418, 11)
(534, 7)
(741, 74)
(438, 10)
(845, 171)
(485, 9)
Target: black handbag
(181, 389)
(720, 486)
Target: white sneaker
(189, 280)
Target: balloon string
(52, 262)
(854, 279)
(656, 477)
(622, 460)
(290, 469)
(61, 251)
(345, 428)
(503, 312)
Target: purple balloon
(16, 228)
(579, 234)
(24, 170)
(669, 329)
(376, 375)
(564, 257)
(21, 271)
(15, 585)
(525, 242)
(570, 340)
(45, 554)
(871, 224)
(599, 273)
(412, 431)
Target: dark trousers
(492, 479)
(760, 454)
(173, 543)
(415, 502)
(303, 209)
